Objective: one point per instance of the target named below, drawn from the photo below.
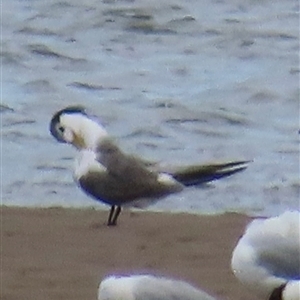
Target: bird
(266, 259)
(118, 179)
(148, 287)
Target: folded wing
(199, 174)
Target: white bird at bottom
(148, 287)
(267, 257)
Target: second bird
(107, 174)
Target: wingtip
(237, 164)
(229, 169)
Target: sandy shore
(63, 253)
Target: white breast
(292, 290)
(86, 162)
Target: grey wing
(125, 179)
(120, 164)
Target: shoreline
(64, 253)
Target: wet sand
(60, 253)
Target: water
(174, 81)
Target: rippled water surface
(174, 81)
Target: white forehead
(117, 288)
(90, 130)
(74, 120)
(286, 226)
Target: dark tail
(195, 175)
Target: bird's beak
(78, 141)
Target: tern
(148, 287)
(118, 179)
(267, 257)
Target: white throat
(86, 162)
(92, 133)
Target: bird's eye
(61, 129)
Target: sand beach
(57, 253)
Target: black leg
(117, 213)
(111, 213)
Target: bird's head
(74, 126)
